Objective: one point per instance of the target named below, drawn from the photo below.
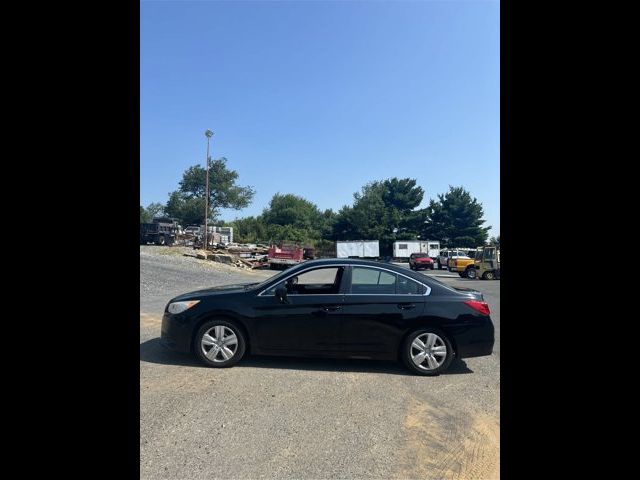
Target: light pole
(208, 134)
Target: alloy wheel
(428, 351)
(219, 344)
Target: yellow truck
(460, 265)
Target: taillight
(482, 307)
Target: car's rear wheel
(427, 352)
(471, 273)
(219, 344)
(487, 275)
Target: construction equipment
(486, 265)
(162, 231)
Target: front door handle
(406, 306)
(332, 309)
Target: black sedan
(340, 308)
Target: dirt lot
(289, 418)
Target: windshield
(420, 255)
(268, 280)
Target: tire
(487, 276)
(471, 273)
(216, 329)
(411, 350)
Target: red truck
(284, 256)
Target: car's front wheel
(219, 344)
(427, 352)
(471, 273)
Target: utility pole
(208, 134)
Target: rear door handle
(406, 306)
(332, 309)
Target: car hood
(207, 292)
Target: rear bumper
(476, 341)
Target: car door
(378, 306)
(309, 320)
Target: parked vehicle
(460, 265)
(403, 249)
(192, 230)
(162, 231)
(445, 255)
(346, 308)
(284, 256)
(358, 249)
(420, 260)
(486, 264)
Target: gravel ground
(271, 417)
(165, 272)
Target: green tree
(495, 241)
(249, 230)
(144, 215)
(292, 218)
(187, 203)
(152, 211)
(455, 219)
(382, 211)
(293, 210)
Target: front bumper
(176, 332)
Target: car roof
(353, 262)
(434, 284)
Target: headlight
(179, 307)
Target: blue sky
(317, 98)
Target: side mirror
(281, 294)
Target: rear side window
(409, 287)
(371, 281)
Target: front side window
(319, 281)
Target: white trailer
(358, 249)
(404, 248)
